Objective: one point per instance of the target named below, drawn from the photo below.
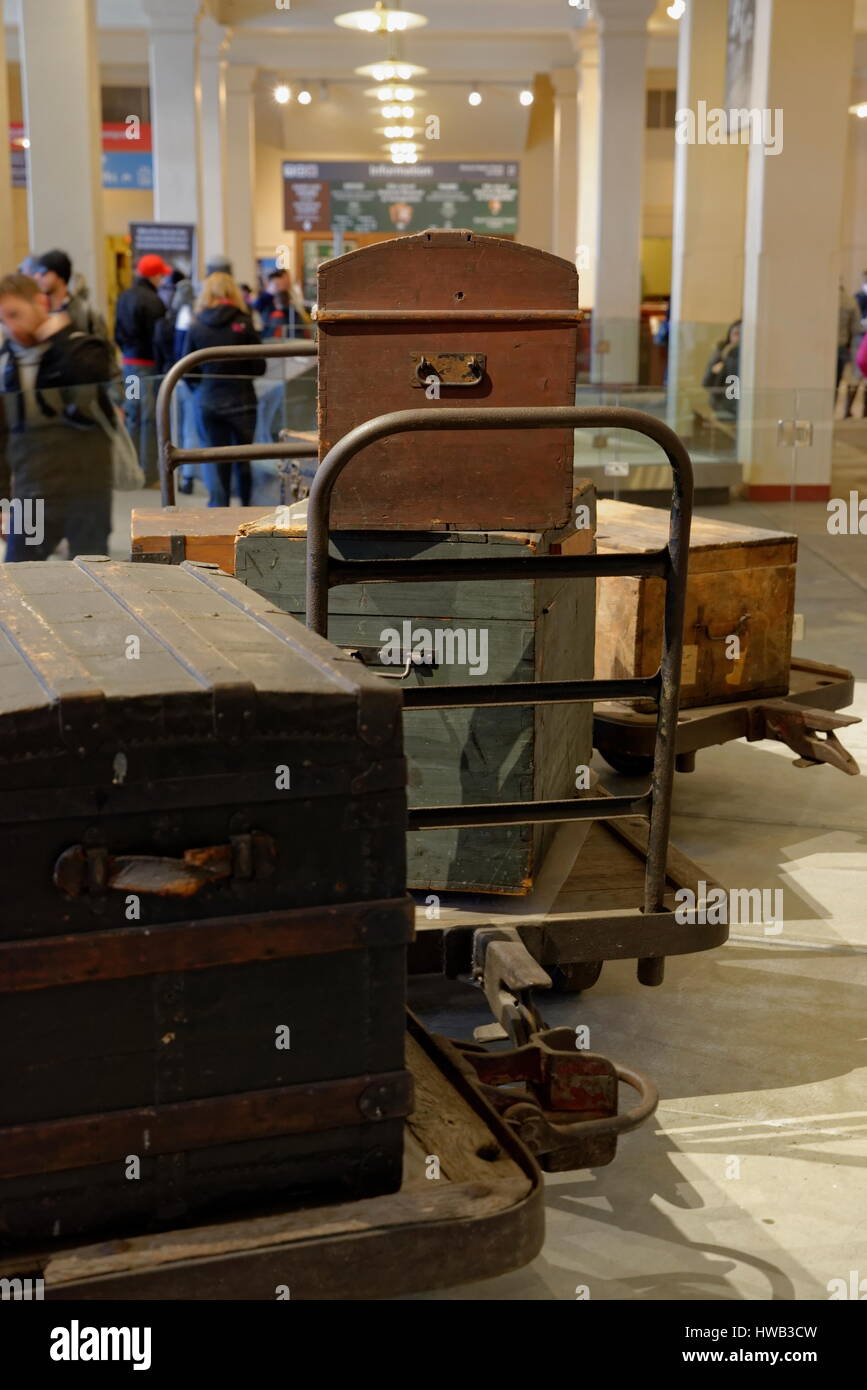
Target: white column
(564, 210)
(854, 257)
(802, 75)
(60, 79)
(588, 163)
(622, 66)
(213, 47)
(7, 235)
(710, 183)
(174, 116)
(241, 170)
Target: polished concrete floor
(750, 1183)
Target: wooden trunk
(202, 959)
(741, 586)
(493, 323)
(170, 535)
(533, 630)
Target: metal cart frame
(651, 932)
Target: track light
(475, 97)
(526, 97)
(305, 97)
(282, 94)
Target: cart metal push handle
(170, 457)
(669, 564)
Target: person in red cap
(137, 313)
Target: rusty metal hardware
(566, 1113)
(808, 732)
(408, 660)
(449, 368)
(507, 973)
(91, 869)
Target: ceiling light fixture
(859, 110)
(475, 97)
(305, 97)
(382, 19)
(282, 94)
(526, 97)
(391, 70)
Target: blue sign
(127, 169)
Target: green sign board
(381, 197)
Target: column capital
(240, 77)
(172, 16)
(585, 42)
(214, 39)
(623, 17)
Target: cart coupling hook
(808, 732)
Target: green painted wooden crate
(533, 630)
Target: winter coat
(135, 318)
(55, 441)
(224, 384)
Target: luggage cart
(651, 931)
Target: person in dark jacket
(53, 275)
(56, 425)
(722, 368)
(224, 392)
(137, 313)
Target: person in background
(848, 325)
(167, 286)
(861, 299)
(724, 363)
(53, 275)
(224, 391)
(137, 313)
(272, 305)
(170, 336)
(56, 422)
(861, 357)
(218, 265)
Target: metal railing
(171, 457)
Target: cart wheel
(630, 764)
(571, 979)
